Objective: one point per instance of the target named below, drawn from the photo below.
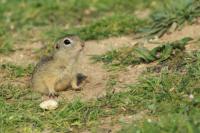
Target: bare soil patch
(186, 31)
(97, 76)
(24, 54)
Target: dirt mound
(97, 76)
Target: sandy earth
(98, 76)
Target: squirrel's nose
(82, 44)
(57, 46)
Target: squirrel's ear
(56, 46)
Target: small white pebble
(49, 104)
(191, 96)
(149, 120)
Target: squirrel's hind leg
(50, 84)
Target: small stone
(49, 104)
(191, 96)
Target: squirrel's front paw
(78, 88)
(53, 95)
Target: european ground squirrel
(60, 70)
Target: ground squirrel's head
(70, 43)
(69, 47)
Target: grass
(45, 21)
(110, 26)
(115, 25)
(16, 71)
(31, 17)
(173, 99)
(172, 15)
(27, 115)
(166, 96)
(6, 47)
(135, 55)
(36, 13)
(170, 123)
(51, 19)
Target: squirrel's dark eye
(67, 42)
